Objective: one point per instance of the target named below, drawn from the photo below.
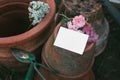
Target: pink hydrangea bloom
(79, 21)
(71, 26)
(79, 24)
(93, 36)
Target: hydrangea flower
(71, 26)
(79, 21)
(80, 25)
(37, 11)
(88, 29)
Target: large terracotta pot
(14, 23)
(67, 64)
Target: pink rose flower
(79, 21)
(93, 36)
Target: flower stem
(64, 16)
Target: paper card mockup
(71, 40)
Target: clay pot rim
(13, 40)
(88, 47)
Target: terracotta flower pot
(13, 30)
(67, 64)
(94, 14)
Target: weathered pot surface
(91, 9)
(66, 63)
(51, 76)
(14, 17)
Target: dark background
(107, 65)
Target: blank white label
(71, 40)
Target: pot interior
(13, 19)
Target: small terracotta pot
(14, 23)
(67, 64)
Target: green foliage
(5, 73)
(65, 19)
